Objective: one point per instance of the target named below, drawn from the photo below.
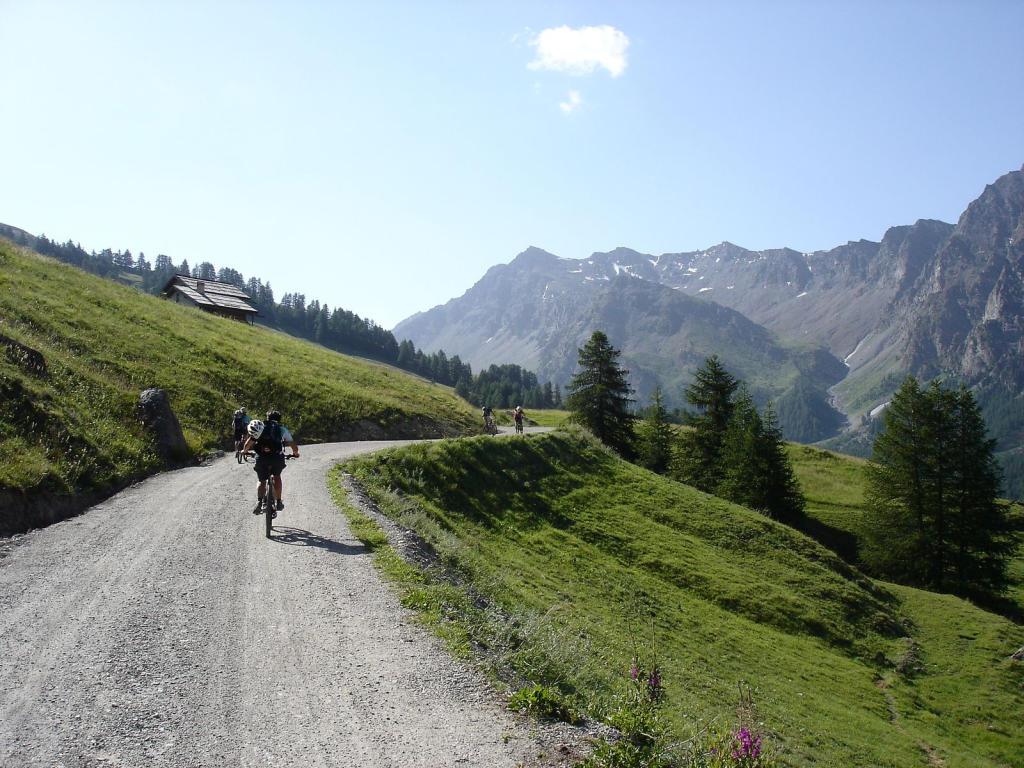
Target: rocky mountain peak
(929, 299)
(534, 257)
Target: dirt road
(161, 628)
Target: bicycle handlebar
(250, 454)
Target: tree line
(729, 449)
(933, 517)
(500, 386)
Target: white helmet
(255, 429)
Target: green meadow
(833, 486)
(74, 428)
(549, 417)
(559, 565)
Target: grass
(834, 486)
(964, 699)
(583, 560)
(550, 417)
(74, 427)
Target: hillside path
(161, 628)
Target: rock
(160, 421)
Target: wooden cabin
(213, 296)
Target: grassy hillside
(834, 484)
(833, 487)
(71, 428)
(588, 561)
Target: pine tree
(755, 469)
(934, 520)
(599, 395)
(982, 541)
(700, 453)
(655, 436)
(782, 499)
(739, 469)
(896, 494)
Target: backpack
(238, 422)
(270, 441)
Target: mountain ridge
(929, 299)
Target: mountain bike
(519, 426)
(490, 426)
(268, 507)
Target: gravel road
(161, 628)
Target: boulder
(160, 421)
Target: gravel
(161, 628)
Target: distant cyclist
(268, 441)
(518, 416)
(239, 421)
(488, 417)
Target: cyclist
(488, 417)
(518, 416)
(268, 440)
(239, 421)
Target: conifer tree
(655, 437)
(897, 488)
(754, 467)
(738, 469)
(599, 394)
(700, 453)
(783, 499)
(981, 536)
(933, 517)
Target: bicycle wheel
(269, 505)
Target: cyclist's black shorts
(265, 465)
(240, 433)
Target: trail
(161, 628)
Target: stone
(159, 420)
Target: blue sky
(380, 156)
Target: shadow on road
(297, 537)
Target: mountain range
(828, 336)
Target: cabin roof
(211, 293)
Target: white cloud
(581, 51)
(569, 106)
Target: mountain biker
(268, 440)
(487, 416)
(517, 414)
(239, 421)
